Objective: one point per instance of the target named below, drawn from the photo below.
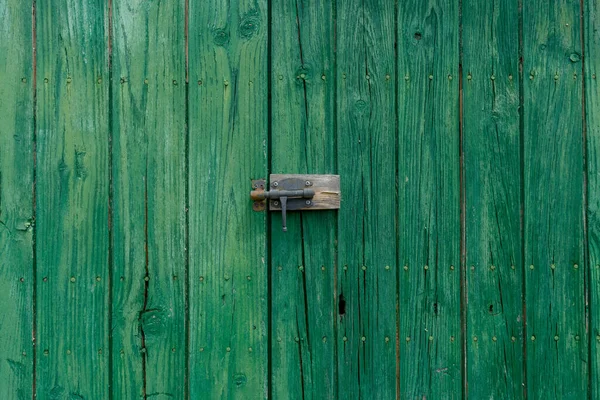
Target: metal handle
(257, 195)
(282, 196)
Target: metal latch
(296, 192)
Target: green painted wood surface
(149, 186)
(592, 105)
(303, 258)
(16, 208)
(146, 175)
(557, 345)
(429, 200)
(492, 184)
(72, 187)
(366, 143)
(228, 122)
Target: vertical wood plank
(303, 258)
(429, 201)
(592, 109)
(72, 199)
(557, 351)
(149, 180)
(492, 170)
(228, 122)
(366, 127)
(16, 208)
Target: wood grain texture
(366, 143)
(72, 199)
(149, 180)
(557, 349)
(16, 195)
(303, 258)
(228, 122)
(492, 171)
(592, 108)
(429, 200)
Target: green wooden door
(464, 262)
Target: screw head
(308, 183)
(275, 184)
(276, 203)
(308, 202)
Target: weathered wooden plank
(149, 180)
(592, 110)
(16, 195)
(492, 171)
(303, 258)
(557, 350)
(228, 103)
(326, 188)
(72, 199)
(429, 200)
(366, 139)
